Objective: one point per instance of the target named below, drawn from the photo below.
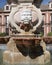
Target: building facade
(46, 23)
(4, 13)
(47, 17)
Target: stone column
(3, 23)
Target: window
(7, 25)
(7, 7)
(43, 17)
(0, 24)
(51, 21)
(51, 5)
(0, 20)
(51, 17)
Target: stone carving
(13, 56)
(31, 19)
(26, 16)
(23, 47)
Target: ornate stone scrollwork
(24, 15)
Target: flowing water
(3, 47)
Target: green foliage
(2, 34)
(41, 34)
(50, 34)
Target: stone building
(4, 13)
(46, 23)
(47, 17)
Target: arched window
(7, 7)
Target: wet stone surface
(4, 46)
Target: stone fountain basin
(29, 46)
(26, 49)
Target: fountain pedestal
(25, 48)
(17, 54)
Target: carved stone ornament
(24, 14)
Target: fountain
(23, 47)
